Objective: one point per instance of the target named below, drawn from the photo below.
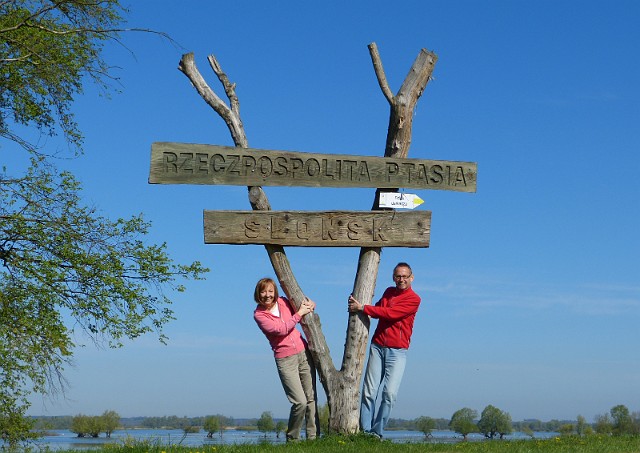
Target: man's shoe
(373, 434)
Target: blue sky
(531, 286)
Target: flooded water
(65, 440)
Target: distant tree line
(619, 421)
(266, 424)
(442, 424)
(491, 423)
(174, 422)
(494, 422)
(93, 426)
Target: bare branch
(379, 70)
(13, 60)
(418, 77)
(229, 88)
(398, 142)
(13, 137)
(259, 201)
(188, 67)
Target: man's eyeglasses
(402, 277)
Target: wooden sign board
(183, 163)
(319, 229)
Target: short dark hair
(262, 283)
(403, 264)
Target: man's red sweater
(395, 311)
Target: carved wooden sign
(319, 229)
(183, 163)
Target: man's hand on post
(354, 305)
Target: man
(395, 311)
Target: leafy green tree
(603, 424)
(224, 422)
(635, 416)
(58, 257)
(425, 425)
(110, 421)
(87, 426)
(265, 423)
(462, 422)
(211, 425)
(281, 427)
(15, 427)
(581, 425)
(50, 49)
(81, 425)
(622, 421)
(506, 426)
(567, 429)
(96, 426)
(493, 421)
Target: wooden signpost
(318, 229)
(181, 163)
(184, 163)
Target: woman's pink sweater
(284, 338)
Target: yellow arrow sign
(399, 200)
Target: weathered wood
(343, 396)
(319, 229)
(342, 386)
(311, 325)
(186, 163)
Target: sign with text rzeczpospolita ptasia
(183, 163)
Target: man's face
(402, 277)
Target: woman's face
(267, 296)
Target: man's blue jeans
(384, 368)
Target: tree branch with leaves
(67, 273)
(47, 49)
(66, 270)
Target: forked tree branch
(258, 200)
(342, 387)
(379, 70)
(398, 142)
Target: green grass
(361, 444)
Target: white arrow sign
(399, 200)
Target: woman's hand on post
(306, 307)
(311, 304)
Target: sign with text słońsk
(183, 163)
(319, 229)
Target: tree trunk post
(398, 141)
(341, 387)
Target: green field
(360, 444)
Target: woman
(276, 318)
